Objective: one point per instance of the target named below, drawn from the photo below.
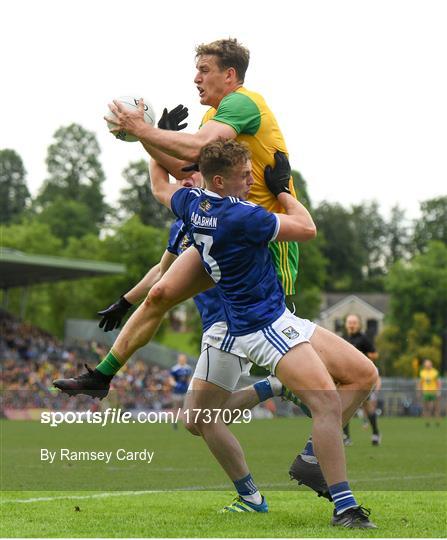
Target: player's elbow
(161, 195)
(308, 232)
(194, 154)
(156, 192)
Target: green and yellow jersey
(429, 380)
(248, 114)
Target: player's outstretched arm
(183, 146)
(170, 120)
(161, 188)
(297, 224)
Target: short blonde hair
(219, 157)
(229, 53)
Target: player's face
(239, 181)
(352, 324)
(210, 80)
(182, 359)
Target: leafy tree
(301, 189)
(390, 343)
(137, 246)
(137, 197)
(420, 343)
(342, 247)
(397, 244)
(420, 286)
(360, 244)
(432, 224)
(67, 218)
(311, 278)
(75, 172)
(371, 233)
(31, 237)
(14, 194)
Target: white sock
(255, 498)
(276, 385)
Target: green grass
(403, 482)
(194, 514)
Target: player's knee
(326, 403)
(370, 375)
(192, 428)
(190, 425)
(158, 297)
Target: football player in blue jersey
(231, 236)
(180, 375)
(220, 370)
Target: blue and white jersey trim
(227, 342)
(275, 234)
(275, 339)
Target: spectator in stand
(31, 358)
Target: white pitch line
(196, 488)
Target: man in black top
(364, 345)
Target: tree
(67, 218)
(31, 237)
(397, 243)
(370, 230)
(311, 278)
(300, 186)
(432, 224)
(14, 194)
(75, 172)
(137, 197)
(390, 343)
(137, 246)
(420, 286)
(417, 344)
(342, 247)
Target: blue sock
(342, 496)
(308, 449)
(246, 487)
(263, 389)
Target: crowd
(31, 359)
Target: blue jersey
(232, 237)
(209, 303)
(181, 375)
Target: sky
(359, 87)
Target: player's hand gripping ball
(130, 103)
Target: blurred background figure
(180, 377)
(429, 387)
(360, 341)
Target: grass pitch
(403, 482)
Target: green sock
(109, 365)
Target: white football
(131, 103)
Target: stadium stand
(31, 359)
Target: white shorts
(219, 337)
(221, 368)
(265, 347)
